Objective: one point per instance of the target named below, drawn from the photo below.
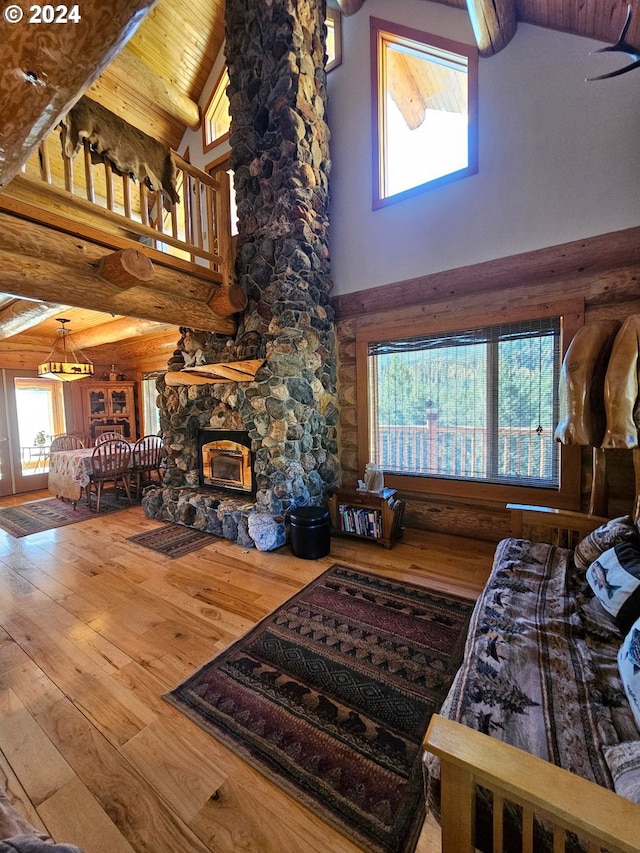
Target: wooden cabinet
(369, 515)
(110, 407)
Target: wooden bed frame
(566, 802)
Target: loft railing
(193, 234)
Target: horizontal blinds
(476, 404)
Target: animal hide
(129, 150)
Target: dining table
(70, 472)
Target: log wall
(603, 271)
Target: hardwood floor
(93, 629)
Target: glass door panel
(35, 413)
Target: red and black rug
(50, 513)
(330, 697)
(173, 540)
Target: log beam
(126, 268)
(117, 331)
(494, 24)
(23, 314)
(228, 300)
(41, 76)
(43, 264)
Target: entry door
(34, 412)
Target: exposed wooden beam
(41, 76)
(22, 315)
(126, 268)
(37, 278)
(494, 24)
(118, 330)
(40, 263)
(128, 66)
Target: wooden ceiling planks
(179, 43)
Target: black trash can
(310, 532)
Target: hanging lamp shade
(65, 361)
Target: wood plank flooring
(93, 629)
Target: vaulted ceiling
(156, 80)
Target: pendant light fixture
(63, 361)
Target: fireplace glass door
(227, 464)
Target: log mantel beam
(494, 24)
(47, 67)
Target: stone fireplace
(280, 159)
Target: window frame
(567, 496)
(335, 16)
(216, 93)
(378, 27)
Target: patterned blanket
(540, 665)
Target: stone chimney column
(280, 157)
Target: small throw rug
(47, 514)
(330, 697)
(173, 540)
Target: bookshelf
(367, 515)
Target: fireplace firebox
(226, 460)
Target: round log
(126, 268)
(228, 300)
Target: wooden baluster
(210, 223)
(498, 821)
(558, 839)
(198, 222)
(527, 829)
(126, 186)
(188, 223)
(159, 212)
(45, 163)
(67, 162)
(108, 179)
(88, 173)
(174, 220)
(144, 204)
(222, 218)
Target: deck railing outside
(464, 451)
(197, 230)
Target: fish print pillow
(615, 580)
(629, 666)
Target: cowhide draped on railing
(129, 150)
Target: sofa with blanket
(552, 667)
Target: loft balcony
(189, 242)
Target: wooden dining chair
(148, 456)
(108, 436)
(65, 441)
(109, 464)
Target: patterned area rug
(173, 540)
(47, 514)
(330, 697)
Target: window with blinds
(475, 405)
